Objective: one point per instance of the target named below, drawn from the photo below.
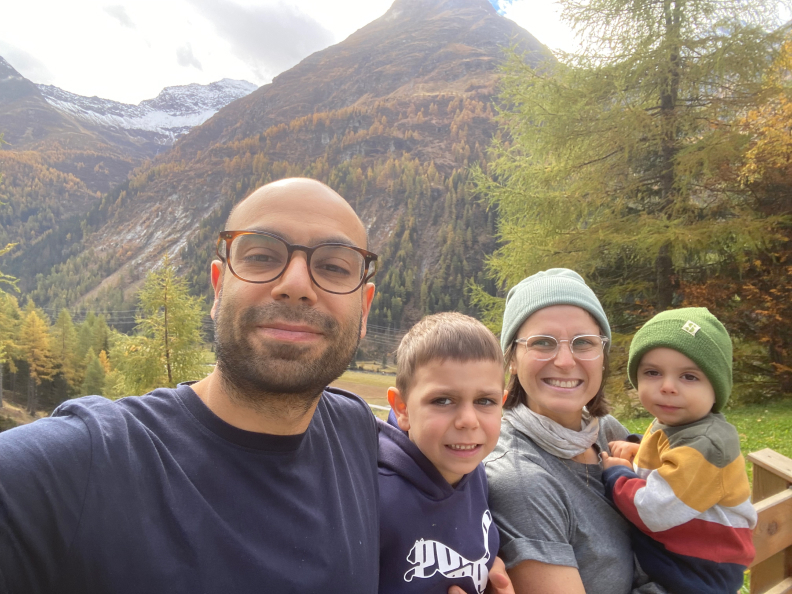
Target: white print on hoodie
(433, 556)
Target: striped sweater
(689, 499)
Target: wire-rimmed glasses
(584, 347)
(261, 257)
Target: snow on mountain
(169, 115)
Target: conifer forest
(656, 162)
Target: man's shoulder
(98, 409)
(347, 415)
(347, 405)
(343, 398)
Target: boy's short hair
(448, 335)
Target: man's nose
(295, 283)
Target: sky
(129, 50)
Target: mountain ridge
(392, 117)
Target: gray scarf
(553, 438)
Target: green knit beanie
(557, 286)
(697, 334)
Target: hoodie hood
(400, 456)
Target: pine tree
(36, 350)
(64, 347)
(4, 278)
(167, 348)
(611, 160)
(9, 327)
(94, 375)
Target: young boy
(435, 527)
(688, 496)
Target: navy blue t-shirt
(156, 494)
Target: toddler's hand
(623, 449)
(611, 461)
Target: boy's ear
(505, 395)
(399, 408)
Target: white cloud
(25, 63)
(119, 13)
(125, 50)
(185, 57)
(269, 37)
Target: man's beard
(280, 376)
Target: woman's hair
(597, 406)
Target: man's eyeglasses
(260, 257)
(584, 347)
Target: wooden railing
(771, 571)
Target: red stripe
(696, 538)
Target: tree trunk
(31, 401)
(666, 281)
(167, 344)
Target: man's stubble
(279, 377)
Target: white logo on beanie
(691, 327)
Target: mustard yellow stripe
(650, 450)
(737, 480)
(700, 484)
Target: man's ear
(217, 284)
(367, 297)
(399, 408)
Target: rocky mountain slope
(156, 122)
(63, 150)
(392, 117)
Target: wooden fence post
(771, 571)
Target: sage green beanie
(697, 334)
(557, 286)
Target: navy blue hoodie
(432, 535)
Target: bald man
(254, 479)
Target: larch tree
(64, 348)
(94, 379)
(9, 328)
(609, 160)
(36, 350)
(753, 300)
(167, 347)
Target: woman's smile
(563, 383)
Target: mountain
(63, 150)
(393, 117)
(155, 123)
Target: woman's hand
(499, 582)
(623, 449)
(611, 461)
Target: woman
(559, 534)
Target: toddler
(687, 492)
